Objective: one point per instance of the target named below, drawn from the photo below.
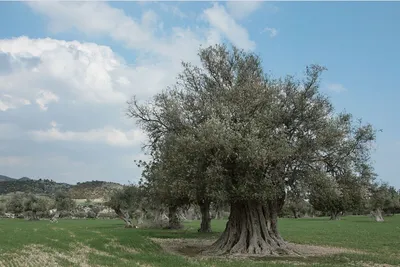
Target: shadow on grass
(341, 259)
(184, 234)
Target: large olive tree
(259, 135)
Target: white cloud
(81, 72)
(84, 71)
(159, 56)
(272, 31)
(99, 18)
(173, 9)
(336, 87)
(86, 76)
(242, 9)
(222, 21)
(96, 18)
(9, 102)
(45, 98)
(107, 135)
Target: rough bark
(173, 222)
(252, 229)
(205, 226)
(378, 215)
(295, 215)
(125, 218)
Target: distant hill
(5, 178)
(85, 190)
(24, 179)
(27, 185)
(93, 190)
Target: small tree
(296, 203)
(63, 203)
(164, 187)
(383, 198)
(34, 204)
(96, 209)
(15, 204)
(335, 195)
(125, 202)
(392, 204)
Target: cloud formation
(242, 9)
(272, 31)
(9, 102)
(80, 88)
(219, 18)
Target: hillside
(26, 185)
(85, 190)
(93, 190)
(5, 178)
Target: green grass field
(107, 243)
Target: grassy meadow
(352, 241)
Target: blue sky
(67, 68)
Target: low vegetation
(352, 241)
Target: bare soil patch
(195, 247)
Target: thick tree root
(251, 230)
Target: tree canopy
(227, 130)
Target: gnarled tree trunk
(334, 216)
(125, 217)
(34, 216)
(295, 215)
(174, 222)
(252, 229)
(205, 226)
(55, 217)
(377, 213)
(140, 220)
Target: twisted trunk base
(334, 216)
(295, 215)
(174, 222)
(377, 213)
(252, 229)
(54, 219)
(125, 217)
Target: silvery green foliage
(227, 130)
